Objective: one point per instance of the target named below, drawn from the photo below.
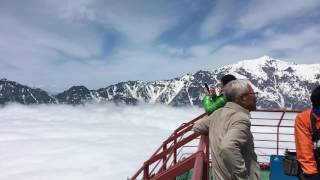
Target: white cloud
(29, 55)
(306, 55)
(296, 41)
(301, 47)
(36, 44)
(76, 10)
(83, 142)
(261, 13)
(172, 50)
(67, 43)
(201, 50)
(140, 21)
(217, 19)
(66, 46)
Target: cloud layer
(83, 142)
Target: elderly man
(231, 141)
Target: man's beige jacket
(231, 143)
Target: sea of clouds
(90, 142)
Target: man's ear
(239, 99)
(244, 98)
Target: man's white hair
(235, 89)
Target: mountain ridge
(280, 84)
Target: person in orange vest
(306, 145)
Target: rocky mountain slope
(280, 84)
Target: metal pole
(278, 128)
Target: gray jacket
(231, 143)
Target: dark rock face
(75, 95)
(11, 91)
(279, 84)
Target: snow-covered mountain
(11, 91)
(280, 84)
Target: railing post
(207, 148)
(278, 128)
(205, 175)
(206, 165)
(164, 159)
(175, 149)
(200, 169)
(146, 172)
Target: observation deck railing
(183, 151)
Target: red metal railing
(164, 162)
(201, 165)
(178, 152)
(273, 132)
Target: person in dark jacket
(211, 101)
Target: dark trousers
(309, 177)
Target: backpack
(290, 164)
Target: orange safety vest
(304, 144)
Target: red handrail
(166, 165)
(201, 165)
(168, 148)
(272, 134)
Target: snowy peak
(75, 95)
(264, 64)
(280, 85)
(264, 60)
(259, 66)
(11, 91)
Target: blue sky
(54, 44)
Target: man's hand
(206, 92)
(212, 92)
